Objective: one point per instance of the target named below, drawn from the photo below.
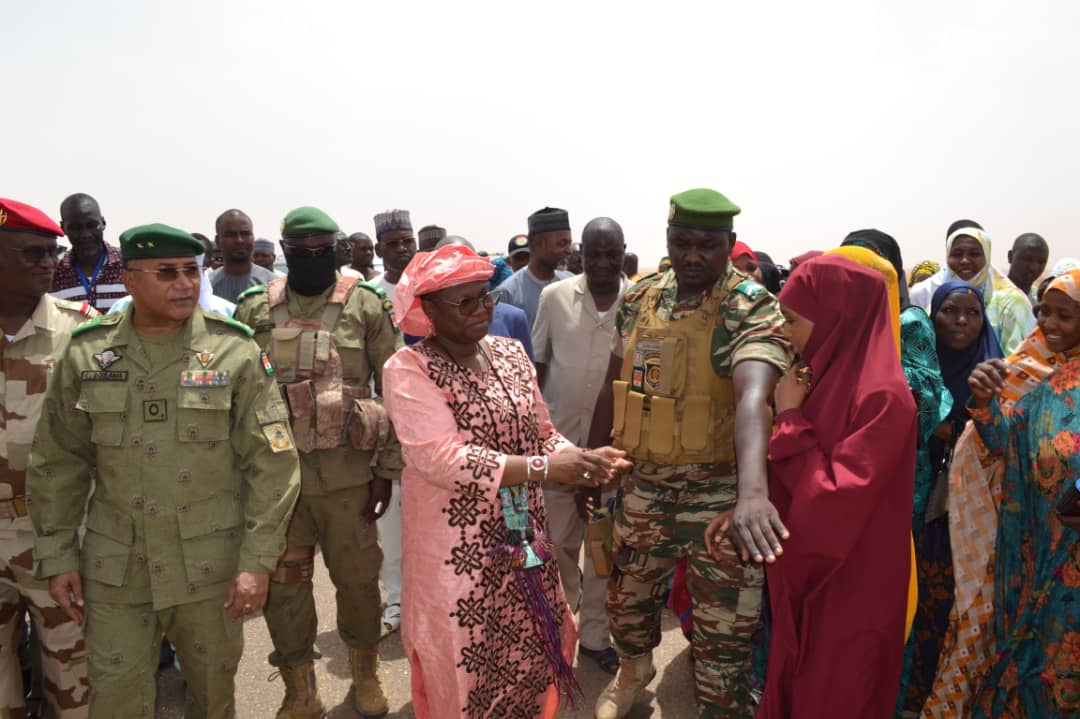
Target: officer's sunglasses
(302, 251)
(468, 305)
(34, 255)
(169, 275)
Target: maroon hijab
(852, 351)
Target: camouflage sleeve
(267, 457)
(381, 341)
(755, 325)
(626, 316)
(58, 477)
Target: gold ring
(247, 606)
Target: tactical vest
(325, 410)
(670, 405)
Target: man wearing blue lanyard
(90, 271)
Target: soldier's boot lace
(369, 697)
(634, 675)
(301, 694)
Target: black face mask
(310, 276)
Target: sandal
(391, 618)
(606, 659)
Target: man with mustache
(177, 417)
(695, 357)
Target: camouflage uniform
(25, 363)
(666, 507)
(334, 475)
(196, 475)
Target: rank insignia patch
(205, 358)
(277, 436)
(154, 410)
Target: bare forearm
(753, 427)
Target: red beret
(18, 216)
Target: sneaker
(391, 618)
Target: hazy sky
(816, 117)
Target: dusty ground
(671, 693)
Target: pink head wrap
(428, 272)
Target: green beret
(158, 240)
(305, 221)
(703, 208)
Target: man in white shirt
(549, 246)
(575, 323)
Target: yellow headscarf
(869, 258)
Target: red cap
(741, 248)
(18, 216)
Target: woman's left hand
(792, 388)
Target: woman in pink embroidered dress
(484, 621)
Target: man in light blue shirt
(549, 246)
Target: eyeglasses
(171, 274)
(302, 251)
(468, 305)
(34, 255)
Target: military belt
(13, 508)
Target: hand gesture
(986, 381)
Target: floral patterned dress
(465, 625)
(1036, 673)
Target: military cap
(518, 244)
(304, 221)
(17, 216)
(158, 240)
(392, 220)
(549, 219)
(703, 208)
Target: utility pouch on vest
(659, 364)
(368, 426)
(661, 425)
(285, 351)
(618, 420)
(695, 429)
(601, 528)
(635, 408)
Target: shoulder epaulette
(91, 324)
(251, 292)
(379, 291)
(235, 324)
(750, 288)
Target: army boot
(368, 695)
(634, 674)
(301, 695)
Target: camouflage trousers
(63, 660)
(350, 549)
(655, 527)
(124, 645)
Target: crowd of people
(856, 486)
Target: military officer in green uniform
(172, 416)
(328, 337)
(694, 361)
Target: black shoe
(606, 659)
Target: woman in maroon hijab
(842, 460)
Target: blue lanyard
(88, 284)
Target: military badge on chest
(107, 358)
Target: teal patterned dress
(1036, 674)
(918, 356)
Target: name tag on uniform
(204, 378)
(103, 376)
